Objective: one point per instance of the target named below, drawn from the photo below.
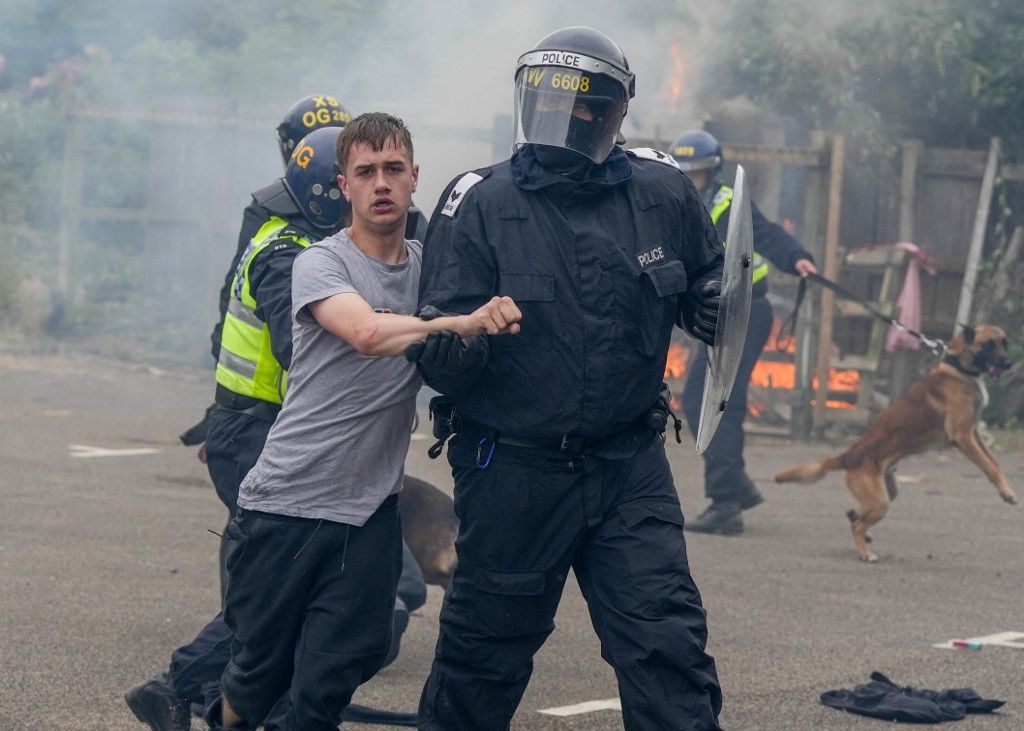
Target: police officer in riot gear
(726, 482)
(254, 356)
(556, 463)
(308, 114)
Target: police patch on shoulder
(458, 194)
(649, 153)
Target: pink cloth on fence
(909, 301)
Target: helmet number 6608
(571, 82)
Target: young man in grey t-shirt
(312, 580)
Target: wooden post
(908, 187)
(831, 268)
(963, 310)
(70, 211)
(900, 378)
(800, 405)
(1010, 257)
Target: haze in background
(447, 70)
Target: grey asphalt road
(107, 564)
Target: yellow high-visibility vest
(247, 365)
(719, 205)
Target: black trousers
(201, 662)
(310, 604)
(233, 444)
(724, 466)
(525, 520)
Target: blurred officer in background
(726, 483)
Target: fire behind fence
(773, 377)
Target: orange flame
(676, 76)
(678, 356)
(771, 373)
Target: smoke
(231, 70)
(450, 68)
(446, 69)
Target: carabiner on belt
(480, 451)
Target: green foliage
(193, 47)
(950, 72)
(31, 140)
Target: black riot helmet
(307, 114)
(312, 179)
(572, 91)
(698, 150)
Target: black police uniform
(555, 466)
(725, 478)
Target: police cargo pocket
(654, 531)
(527, 287)
(512, 604)
(660, 286)
(530, 291)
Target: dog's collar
(955, 362)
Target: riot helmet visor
(578, 109)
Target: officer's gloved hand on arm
(702, 316)
(456, 352)
(448, 353)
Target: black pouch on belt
(445, 423)
(657, 416)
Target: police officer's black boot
(721, 516)
(155, 703)
(747, 494)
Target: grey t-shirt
(338, 447)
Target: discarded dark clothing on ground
(881, 698)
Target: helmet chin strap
(564, 161)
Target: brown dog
(429, 527)
(940, 410)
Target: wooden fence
(936, 198)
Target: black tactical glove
(705, 317)
(446, 353)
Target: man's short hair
(375, 129)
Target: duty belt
(566, 443)
(254, 407)
(447, 421)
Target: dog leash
(937, 346)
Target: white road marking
(82, 450)
(420, 437)
(612, 704)
(1002, 639)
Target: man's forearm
(384, 334)
(374, 333)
